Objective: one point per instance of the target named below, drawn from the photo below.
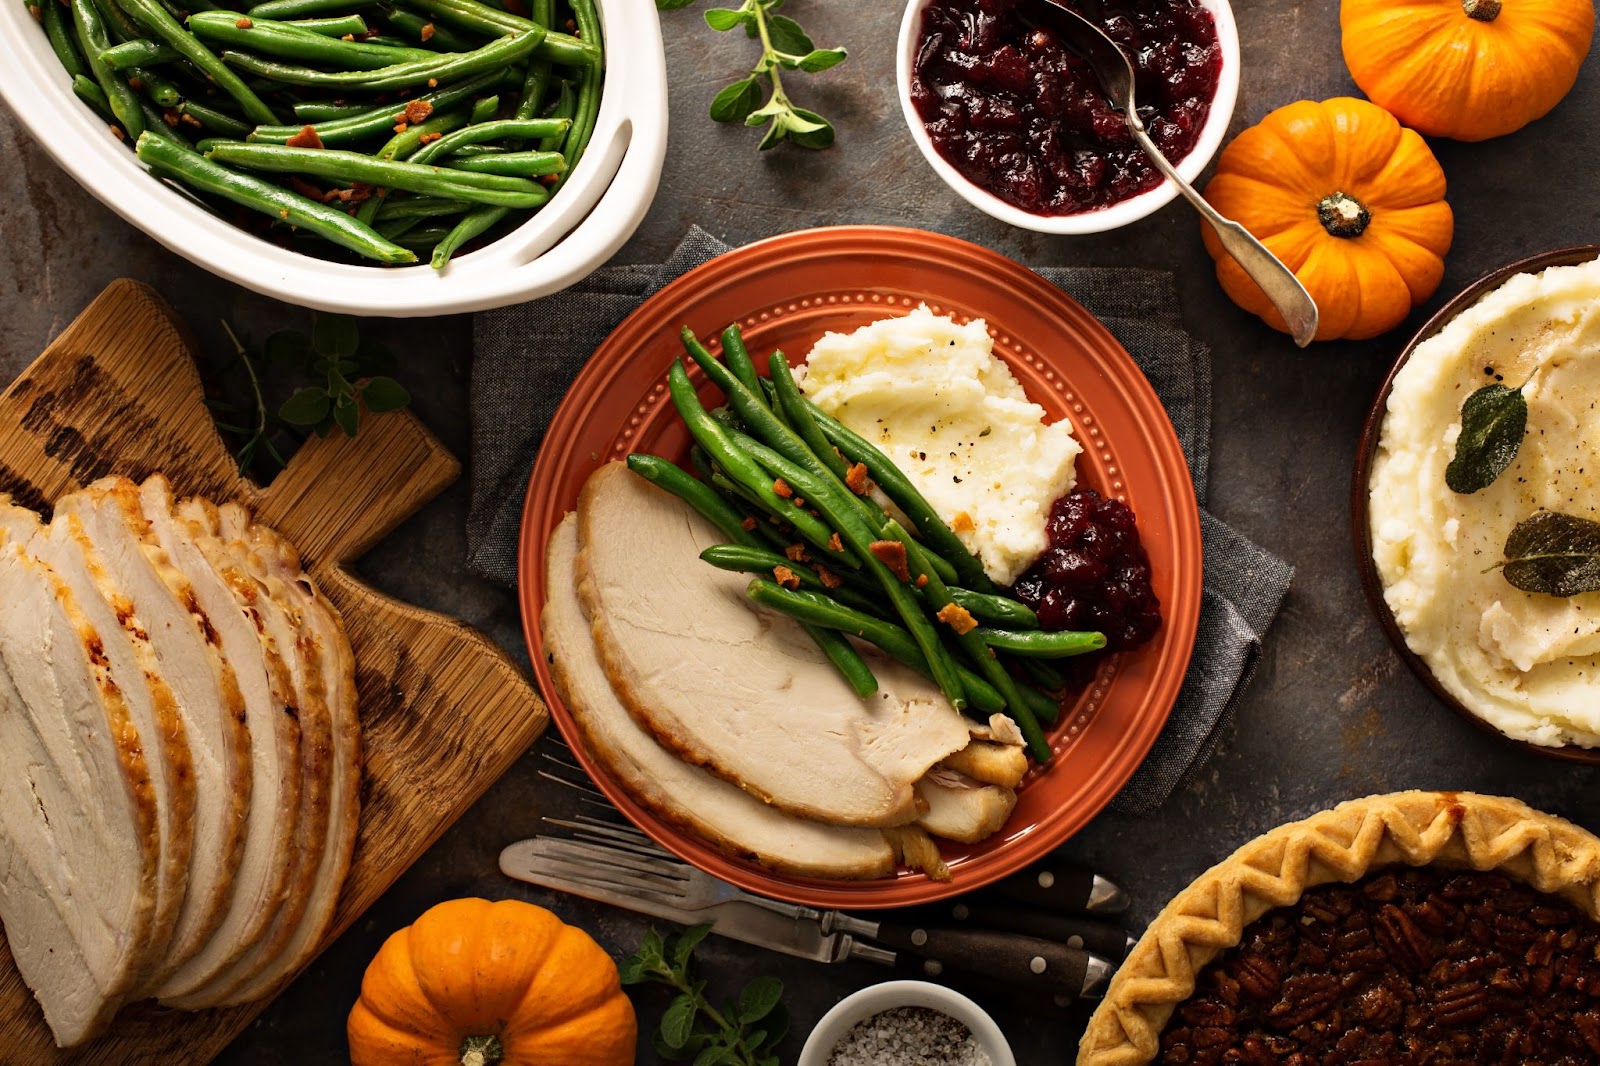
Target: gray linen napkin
(523, 366)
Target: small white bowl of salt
(906, 1023)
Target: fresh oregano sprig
(784, 46)
(742, 1033)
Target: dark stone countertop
(1332, 713)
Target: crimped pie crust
(1459, 829)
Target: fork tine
(613, 835)
(589, 874)
(563, 877)
(615, 863)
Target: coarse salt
(909, 1036)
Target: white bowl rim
(1101, 219)
(888, 995)
(598, 209)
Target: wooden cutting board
(444, 711)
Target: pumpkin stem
(1343, 215)
(1482, 10)
(481, 1051)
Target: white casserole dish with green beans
(380, 157)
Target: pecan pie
(1420, 927)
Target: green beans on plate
(473, 112)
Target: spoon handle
(1299, 311)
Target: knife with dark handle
(973, 912)
(1056, 886)
(1016, 960)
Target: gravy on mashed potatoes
(1528, 664)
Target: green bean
(741, 468)
(1054, 645)
(156, 119)
(537, 83)
(516, 164)
(118, 25)
(566, 106)
(737, 357)
(1043, 673)
(139, 53)
(52, 16)
(560, 48)
(995, 610)
(696, 494)
(92, 40)
(793, 405)
(214, 121)
(161, 92)
(762, 560)
(822, 611)
(906, 496)
(88, 90)
(337, 26)
(472, 226)
(590, 82)
(319, 111)
(420, 29)
(287, 41)
(485, 109)
(419, 207)
(845, 659)
(377, 120)
(406, 143)
(300, 9)
(839, 506)
(201, 173)
(502, 129)
(432, 71)
(155, 18)
(398, 228)
(492, 189)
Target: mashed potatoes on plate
(1529, 664)
(933, 397)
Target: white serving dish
(598, 208)
(874, 999)
(1106, 218)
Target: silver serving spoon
(1115, 73)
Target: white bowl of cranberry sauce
(1018, 125)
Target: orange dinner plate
(785, 293)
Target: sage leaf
(735, 103)
(758, 999)
(1493, 422)
(1554, 554)
(677, 1024)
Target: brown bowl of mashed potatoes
(1522, 665)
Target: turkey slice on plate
(131, 666)
(684, 795)
(187, 652)
(276, 565)
(740, 691)
(962, 809)
(284, 629)
(77, 808)
(228, 596)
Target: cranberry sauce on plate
(1015, 112)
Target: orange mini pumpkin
(1350, 200)
(474, 983)
(1468, 69)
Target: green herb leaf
(678, 1022)
(1493, 422)
(346, 415)
(672, 5)
(287, 348)
(758, 998)
(723, 19)
(631, 970)
(809, 129)
(1554, 554)
(713, 1055)
(385, 394)
(687, 942)
(735, 102)
(787, 36)
(334, 336)
(821, 59)
(306, 407)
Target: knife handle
(1096, 935)
(1056, 886)
(1017, 960)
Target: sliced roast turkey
(961, 809)
(737, 690)
(669, 787)
(187, 650)
(283, 628)
(229, 596)
(132, 667)
(276, 564)
(77, 806)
